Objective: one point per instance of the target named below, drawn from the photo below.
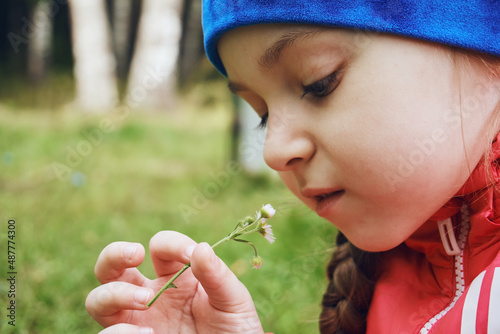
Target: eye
(263, 122)
(321, 88)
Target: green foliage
(17, 92)
(147, 174)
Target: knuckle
(100, 299)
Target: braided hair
(352, 274)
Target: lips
(325, 198)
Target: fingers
(170, 251)
(108, 303)
(118, 261)
(127, 329)
(223, 288)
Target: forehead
(253, 39)
(266, 43)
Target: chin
(379, 233)
(371, 243)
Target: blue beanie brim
(468, 24)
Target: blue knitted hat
(469, 24)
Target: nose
(288, 143)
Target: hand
(209, 297)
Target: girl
(383, 119)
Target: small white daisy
(266, 231)
(267, 211)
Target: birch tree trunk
(251, 141)
(122, 10)
(152, 79)
(40, 43)
(95, 73)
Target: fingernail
(189, 251)
(129, 252)
(145, 330)
(141, 296)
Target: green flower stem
(170, 283)
(220, 242)
(238, 231)
(248, 243)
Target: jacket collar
(479, 193)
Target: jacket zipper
(459, 271)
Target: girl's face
(373, 132)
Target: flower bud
(267, 211)
(246, 221)
(256, 261)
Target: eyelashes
(317, 90)
(263, 122)
(321, 88)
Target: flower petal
(267, 232)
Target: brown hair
(352, 274)
(489, 66)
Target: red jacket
(423, 289)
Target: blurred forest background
(114, 126)
(109, 50)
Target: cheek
(291, 183)
(409, 173)
(403, 144)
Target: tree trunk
(251, 141)
(191, 45)
(40, 43)
(95, 73)
(152, 79)
(122, 10)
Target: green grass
(128, 184)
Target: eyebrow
(273, 53)
(235, 87)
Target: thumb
(223, 288)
